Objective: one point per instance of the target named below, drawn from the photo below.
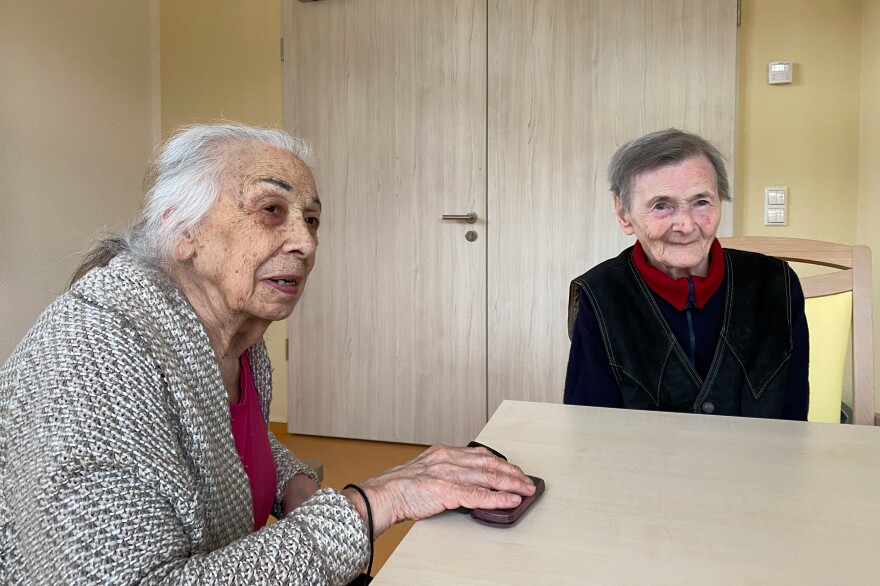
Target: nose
(301, 240)
(684, 219)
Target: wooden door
(507, 108)
(389, 340)
(569, 82)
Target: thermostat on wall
(779, 72)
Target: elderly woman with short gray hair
(134, 445)
(675, 323)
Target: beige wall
(76, 130)
(868, 224)
(804, 134)
(221, 59)
(818, 135)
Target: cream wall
(868, 223)
(221, 59)
(818, 135)
(804, 134)
(76, 131)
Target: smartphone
(496, 453)
(507, 517)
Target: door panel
(389, 341)
(569, 82)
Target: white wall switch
(776, 206)
(780, 72)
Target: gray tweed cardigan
(117, 458)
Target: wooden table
(637, 497)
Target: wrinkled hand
(442, 478)
(298, 489)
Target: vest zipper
(691, 304)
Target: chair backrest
(853, 274)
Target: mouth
(288, 284)
(284, 281)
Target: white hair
(184, 183)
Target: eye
(661, 206)
(313, 221)
(702, 202)
(273, 209)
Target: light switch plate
(776, 206)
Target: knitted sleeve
(322, 542)
(286, 467)
(131, 535)
(107, 476)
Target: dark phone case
(495, 452)
(507, 517)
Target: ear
(185, 247)
(623, 217)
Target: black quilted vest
(748, 373)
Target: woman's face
(253, 252)
(675, 212)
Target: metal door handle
(470, 218)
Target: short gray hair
(184, 181)
(659, 149)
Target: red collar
(675, 291)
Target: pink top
(251, 435)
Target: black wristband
(369, 521)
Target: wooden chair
(853, 275)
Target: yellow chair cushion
(829, 320)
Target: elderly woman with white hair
(134, 445)
(675, 322)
